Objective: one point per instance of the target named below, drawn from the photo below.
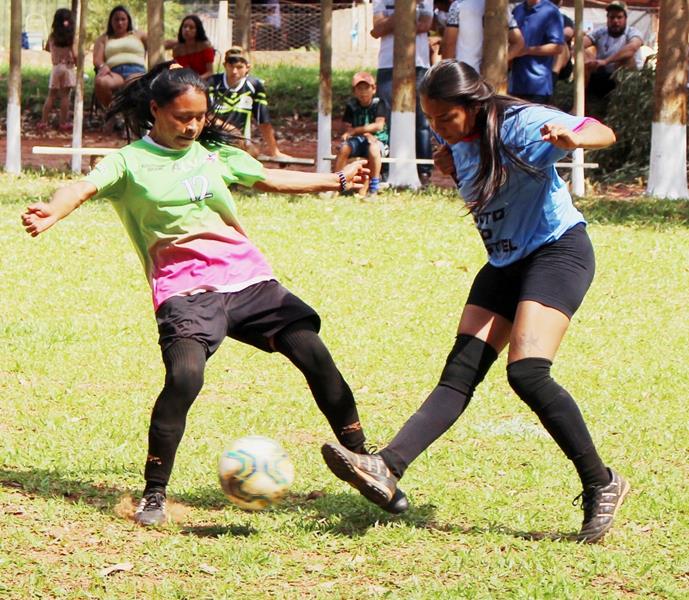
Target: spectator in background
(463, 37)
(237, 98)
(435, 36)
(383, 29)
(366, 135)
(531, 75)
(60, 44)
(563, 65)
(192, 48)
(118, 55)
(616, 45)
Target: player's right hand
(38, 217)
(442, 158)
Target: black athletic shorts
(253, 316)
(556, 275)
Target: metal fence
(275, 26)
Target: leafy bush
(630, 114)
(294, 90)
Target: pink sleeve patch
(584, 123)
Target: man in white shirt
(616, 45)
(463, 36)
(383, 28)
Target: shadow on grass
(640, 211)
(345, 514)
(52, 484)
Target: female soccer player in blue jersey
(208, 280)
(501, 152)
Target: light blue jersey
(527, 211)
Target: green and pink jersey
(180, 215)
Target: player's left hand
(356, 174)
(559, 136)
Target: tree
(13, 161)
(403, 120)
(325, 96)
(494, 63)
(156, 39)
(667, 176)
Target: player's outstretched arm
(297, 182)
(592, 135)
(42, 215)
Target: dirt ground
(296, 137)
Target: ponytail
(163, 83)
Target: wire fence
(276, 26)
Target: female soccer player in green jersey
(208, 280)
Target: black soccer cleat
(600, 504)
(369, 474)
(151, 509)
(398, 504)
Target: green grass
(80, 369)
(291, 90)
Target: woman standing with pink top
(60, 44)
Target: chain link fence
(274, 26)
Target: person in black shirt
(237, 99)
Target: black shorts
(556, 275)
(253, 316)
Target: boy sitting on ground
(366, 134)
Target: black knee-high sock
(184, 362)
(466, 366)
(302, 345)
(530, 379)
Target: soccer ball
(255, 472)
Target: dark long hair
(457, 83)
(119, 8)
(63, 35)
(200, 31)
(163, 84)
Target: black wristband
(343, 181)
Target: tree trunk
(13, 158)
(578, 179)
(667, 176)
(325, 97)
(156, 39)
(494, 62)
(242, 25)
(77, 130)
(403, 122)
(223, 33)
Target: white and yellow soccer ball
(255, 472)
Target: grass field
(80, 369)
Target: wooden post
(223, 35)
(325, 96)
(578, 181)
(403, 121)
(242, 25)
(13, 151)
(80, 20)
(156, 39)
(494, 62)
(667, 177)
